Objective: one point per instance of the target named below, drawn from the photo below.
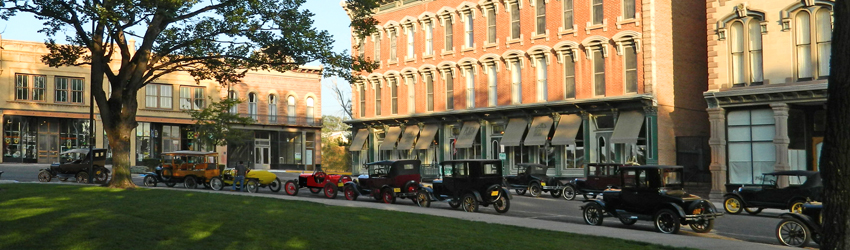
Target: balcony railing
(284, 120)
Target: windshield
(379, 170)
(672, 177)
(72, 158)
(536, 170)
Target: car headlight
(697, 210)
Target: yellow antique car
(188, 167)
(254, 180)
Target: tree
(217, 40)
(214, 124)
(335, 138)
(343, 100)
(835, 154)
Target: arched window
(804, 46)
(252, 105)
(290, 106)
(310, 110)
(272, 108)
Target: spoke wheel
(502, 204)
(555, 193)
(791, 232)
(349, 193)
(315, 190)
(423, 199)
(666, 221)
(534, 189)
(150, 181)
(593, 214)
(753, 210)
(101, 175)
(702, 225)
(569, 193)
(44, 176)
(190, 182)
(291, 188)
(469, 203)
(275, 185)
(454, 204)
(732, 205)
(83, 177)
(797, 207)
(330, 190)
(216, 183)
(387, 196)
(253, 186)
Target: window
(290, 105)
(193, 98)
(746, 50)
(542, 79)
(393, 39)
(450, 81)
(597, 12)
(158, 96)
(393, 95)
(515, 20)
(541, 17)
(569, 76)
(737, 41)
(824, 41)
(804, 48)
(233, 96)
(30, 87)
(491, 24)
(429, 89)
(411, 95)
(631, 69)
(69, 90)
(378, 98)
(470, 87)
(272, 108)
(310, 111)
(377, 39)
(755, 55)
(492, 77)
(361, 47)
(470, 39)
(170, 138)
(809, 65)
(751, 149)
(429, 39)
(363, 100)
(61, 92)
(516, 82)
(448, 39)
(598, 72)
(252, 104)
(568, 14)
(628, 9)
(409, 43)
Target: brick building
(46, 111)
(766, 109)
(557, 82)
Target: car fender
(792, 200)
(600, 202)
(477, 195)
(430, 192)
(510, 197)
(695, 204)
(809, 221)
(353, 187)
(736, 195)
(676, 208)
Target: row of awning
(626, 130)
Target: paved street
(734, 227)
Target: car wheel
(593, 214)
(666, 221)
(502, 204)
(534, 189)
(569, 193)
(520, 191)
(470, 204)
(190, 182)
(315, 190)
(150, 181)
(387, 196)
(732, 205)
(291, 188)
(792, 232)
(702, 225)
(101, 175)
(216, 183)
(454, 204)
(274, 186)
(753, 210)
(627, 221)
(797, 207)
(555, 193)
(170, 184)
(349, 193)
(44, 176)
(423, 199)
(330, 190)
(253, 186)
(83, 177)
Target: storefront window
(19, 139)
(751, 148)
(73, 134)
(290, 148)
(143, 141)
(170, 138)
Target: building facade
(46, 111)
(766, 109)
(557, 82)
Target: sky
(329, 16)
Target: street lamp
(91, 133)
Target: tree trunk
(835, 158)
(119, 142)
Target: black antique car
(599, 176)
(782, 190)
(386, 181)
(469, 183)
(532, 177)
(654, 193)
(74, 163)
(796, 229)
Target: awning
(628, 127)
(426, 136)
(514, 131)
(467, 135)
(390, 138)
(565, 133)
(406, 141)
(359, 139)
(539, 131)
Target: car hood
(681, 194)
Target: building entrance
(48, 141)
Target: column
(717, 142)
(780, 139)
(651, 114)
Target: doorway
(262, 150)
(817, 144)
(48, 141)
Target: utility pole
(91, 134)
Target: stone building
(557, 82)
(46, 111)
(768, 64)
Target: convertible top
(391, 162)
(81, 151)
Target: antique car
(782, 190)
(74, 163)
(188, 167)
(796, 229)
(386, 181)
(532, 177)
(470, 184)
(653, 193)
(318, 181)
(599, 176)
(254, 180)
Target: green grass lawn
(39, 216)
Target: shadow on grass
(37, 216)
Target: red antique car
(318, 181)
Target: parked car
(386, 181)
(254, 180)
(796, 229)
(532, 177)
(188, 167)
(599, 176)
(782, 190)
(317, 181)
(653, 193)
(469, 183)
(74, 163)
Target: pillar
(717, 143)
(780, 139)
